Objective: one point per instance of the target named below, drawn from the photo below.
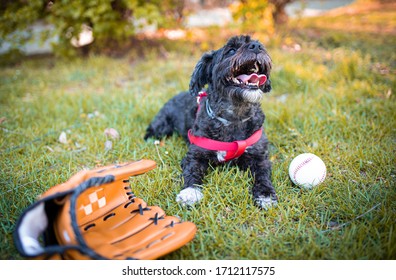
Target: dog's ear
(202, 73)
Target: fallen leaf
(50, 149)
(108, 145)
(63, 138)
(111, 132)
(93, 115)
(388, 94)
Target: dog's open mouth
(248, 75)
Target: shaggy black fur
(237, 103)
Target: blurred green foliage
(112, 21)
(255, 17)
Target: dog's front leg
(194, 167)
(263, 191)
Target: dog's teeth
(252, 84)
(235, 80)
(256, 69)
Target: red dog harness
(233, 149)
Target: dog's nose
(255, 47)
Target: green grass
(331, 101)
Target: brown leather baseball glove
(95, 215)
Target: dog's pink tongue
(253, 78)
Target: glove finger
(152, 234)
(123, 170)
(172, 239)
(119, 171)
(152, 242)
(113, 232)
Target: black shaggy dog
(225, 125)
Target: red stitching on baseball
(323, 177)
(299, 167)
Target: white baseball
(307, 170)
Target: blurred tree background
(110, 21)
(113, 22)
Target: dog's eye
(231, 51)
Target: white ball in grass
(307, 170)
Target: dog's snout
(255, 47)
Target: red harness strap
(201, 95)
(234, 149)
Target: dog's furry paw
(189, 196)
(266, 202)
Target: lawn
(334, 95)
